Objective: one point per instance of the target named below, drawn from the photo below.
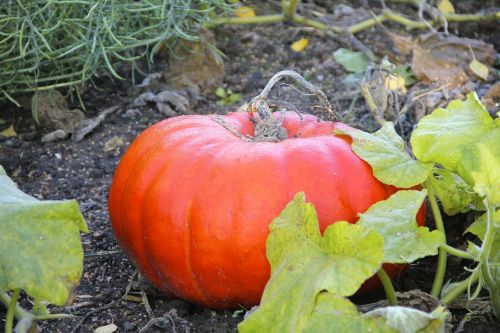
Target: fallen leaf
(445, 58)
(479, 69)
(106, 329)
(244, 11)
(446, 7)
(113, 143)
(197, 67)
(51, 111)
(8, 132)
(133, 298)
(395, 82)
(300, 45)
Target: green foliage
(226, 97)
(441, 136)
(304, 264)
(457, 159)
(312, 274)
(47, 44)
(395, 220)
(455, 195)
(40, 251)
(386, 152)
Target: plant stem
(441, 268)
(312, 23)
(388, 287)
(53, 316)
(261, 19)
(9, 319)
(460, 288)
(291, 9)
(456, 252)
(484, 262)
(19, 312)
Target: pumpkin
(191, 201)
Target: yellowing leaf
(300, 45)
(479, 69)
(487, 178)
(394, 82)
(446, 7)
(9, 132)
(244, 11)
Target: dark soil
(84, 170)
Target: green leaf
(441, 136)
(40, 251)
(395, 220)
(337, 314)
(355, 62)
(232, 98)
(386, 153)
(220, 92)
(409, 320)
(487, 178)
(304, 264)
(478, 227)
(455, 195)
(470, 161)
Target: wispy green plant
(47, 44)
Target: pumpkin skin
(190, 202)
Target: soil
(84, 170)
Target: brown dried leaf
(51, 111)
(445, 58)
(196, 65)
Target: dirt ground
(110, 289)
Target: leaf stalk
(442, 254)
(11, 309)
(388, 287)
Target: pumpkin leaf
(487, 178)
(354, 62)
(386, 153)
(478, 227)
(441, 136)
(409, 320)
(470, 161)
(395, 220)
(455, 195)
(300, 45)
(337, 314)
(304, 264)
(40, 251)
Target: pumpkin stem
(324, 103)
(267, 128)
